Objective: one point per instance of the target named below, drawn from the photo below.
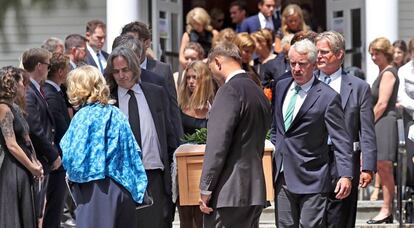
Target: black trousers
(157, 215)
(55, 199)
(342, 213)
(240, 217)
(299, 210)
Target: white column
(118, 14)
(381, 21)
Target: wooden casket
(189, 164)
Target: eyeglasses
(48, 65)
(323, 52)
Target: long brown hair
(203, 93)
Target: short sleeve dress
(386, 126)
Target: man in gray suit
(232, 181)
(306, 111)
(359, 118)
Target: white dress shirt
(406, 88)
(263, 20)
(335, 79)
(95, 57)
(303, 92)
(149, 138)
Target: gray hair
(226, 49)
(130, 57)
(74, 41)
(306, 47)
(52, 43)
(335, 39)
(131, 42)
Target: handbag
(146, 202)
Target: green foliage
(199, 137)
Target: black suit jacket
(89, 59)
(42, 128)
(157, 100)
(237, 127)
(303, 146)
(356, 101)
(164, 70)
(59, 110)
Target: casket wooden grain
(189, 165)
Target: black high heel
(388, 220)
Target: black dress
(386, 125)
(191, 124)
(16, 196)
(204, 39)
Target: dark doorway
(316, 9)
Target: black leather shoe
(388, 220)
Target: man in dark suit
(75, 49)
(306, 111)
(232, 184)
(264, 19)
(96, 35)
(141, 31)
(144, 105)
(359, 118)
(238, 12)
(56, 191)
(36, 62)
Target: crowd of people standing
(106, 125)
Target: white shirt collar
(337, 74)
(144, 64)
(37, 85)
(305, 87)
(122, 91)
(90, 49)
(234, 73)
(56, 86)
(262, 17)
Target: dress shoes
(388, 220)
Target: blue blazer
(303, 146)
(356, 101)
(250, 24)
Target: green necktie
(288, 118)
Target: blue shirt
(100, 143)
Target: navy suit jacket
(252, 24)
(157, 100)
(42, 127)
(89, 59)
(164, 71)
(303, 146)
(356, 101)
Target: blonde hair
(226, 34)
(383, 45)
(200, 16)
(293, 9)
(263, 35)
(87, 85)
(244, 40)
(204, 91)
